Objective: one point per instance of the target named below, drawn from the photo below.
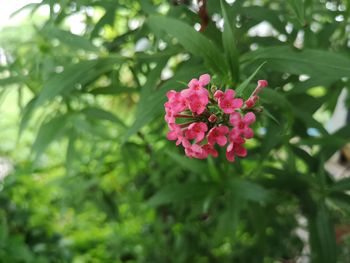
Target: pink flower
(205, 151)
(176, 133)
(197, 103)
(210, 150)
(197, 86)
(227, 102)
(195, 114)
(241, 125)
(235, 149)
(218, 135)
(235, 136)
(169, 117)
(196, 131)
(193, 150)
(176, 102)
(218, 94)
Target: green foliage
(95, 179)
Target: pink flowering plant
(202, 118)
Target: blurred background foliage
(83, 84)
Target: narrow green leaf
(106, 19)
(193, 41)
(314, 63)
(112, 90)
(153, 103)
(69, 39)
(269, 115)
(26, 115)
(11, 80)
(246, 82)
(179, 193)
(81, 73)
(341, 185)
(261, 13)
(298, 9)
(100, 114)
(48, 132)
(322, 237)
(249, 191)
(193, 165)
(229, 43)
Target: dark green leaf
(180, 193)
(312, 62)
(246, 82)
(229, 42)
(48, 132)
(100, 114)
(249, 191)
(193, 41)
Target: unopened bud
(212, 118)
(251, 101)
(213, 89)
(261, 84)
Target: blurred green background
(92, 177)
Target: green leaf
(146, 100)
(48, 132)
(269, 115)
(179, 193)
(152, 105)
(193, 165)
(69, 39)
(106, 19)
(112, 90)
(322, 237)
(229, 43)
(249, 191)
(246, 82)
(314, 63)
(260, 13)
(298, 9)
(81, 73)
(25, 115)
(341, 185)
(100, 114)
(11, 80)
(193, 41)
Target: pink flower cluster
(200, 118)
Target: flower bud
(251, 101)
(212, 118)
(261, 84)
(213, 89)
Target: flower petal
(241, 151)
(204, 79)
(193, 83)
(172, 135)
(237, 103)
(235, 118)
(248, 133)
(221, 140)
(249, 118)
